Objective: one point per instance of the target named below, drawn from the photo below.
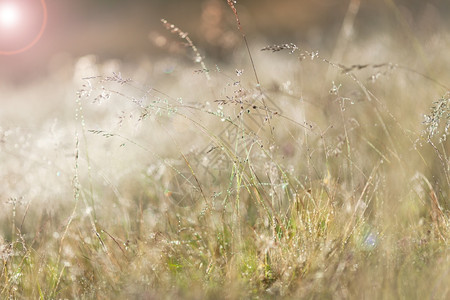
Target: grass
(284, 174)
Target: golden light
(9, 15)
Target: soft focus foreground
(185, 178)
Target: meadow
(280, 173)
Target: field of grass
(281, 174)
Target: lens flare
(15, 17)
(9, 15)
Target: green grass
(317, 183)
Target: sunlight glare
(9, 15)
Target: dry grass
(320, 179)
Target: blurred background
(131, 30)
